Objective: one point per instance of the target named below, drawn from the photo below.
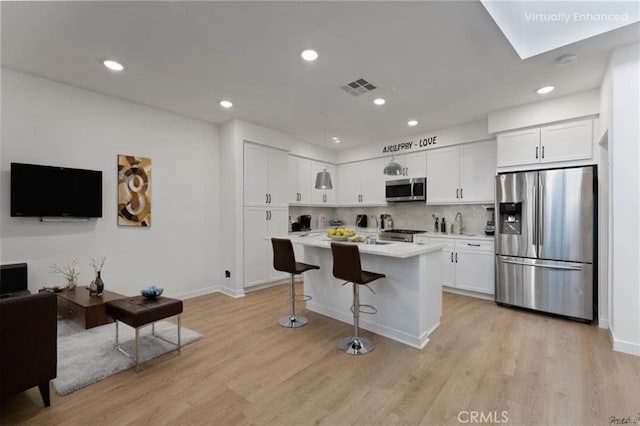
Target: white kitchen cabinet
(265, 176)
(361, 183)
(413, 165)
(467, 264)
(549, 144)
(461, 174)
(299, 172)
(260, 224)
(324, 197)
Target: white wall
(569, 107)
(624, 146)
(45, 122)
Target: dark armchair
(28, 344)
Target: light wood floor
(248, 370)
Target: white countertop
(430, 234)
(389, 249)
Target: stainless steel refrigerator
(545, 239)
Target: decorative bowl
(338, 237)
(151, 292)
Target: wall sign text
(411, 145)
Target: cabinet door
(567, 142)
(442, 175)
(277, 177)
(292, 172)
(372, 182)
(304, 180)
(477, 172)
(475, 271)
(517, 148)
(349, 189)
(276, 227)
(416, 164)
(255, 175)
(256, 245)
(448, 267)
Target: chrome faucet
(459, 216)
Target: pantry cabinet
(323, 197)
(467, 264)
(361, 183)
(260, 224)
(570, 141)
(299, 172)
(265, 176)
(413, 165)
(461, 174)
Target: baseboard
(622, 346)
(603, 323)
(484, 296)
(265, 285)
(210, 290)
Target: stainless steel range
(404, 235)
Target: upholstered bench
(138, 312)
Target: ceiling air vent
(358, 87)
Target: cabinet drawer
(475, 245)
(446, 243)
(71, 311)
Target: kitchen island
(409, 299)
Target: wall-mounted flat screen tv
(48, 191)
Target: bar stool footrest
(369, 309)
(303, 298)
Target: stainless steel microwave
(406, 189)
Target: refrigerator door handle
(535, 215)
(542, 265)
(541, 216)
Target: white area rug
(88, 356)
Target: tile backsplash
(411, 215)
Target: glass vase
(71, 285)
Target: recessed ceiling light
(566, 60)
(544, 90)
(336, 140)
(379, 101)
(226, 104)
(309, 55)
(412, 123)
(113, 65)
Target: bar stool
(346, 266)
(284, 260)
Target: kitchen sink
(382, 243)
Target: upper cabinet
(300, 184)
(550, 144)
(265, 176)
(361, 183)
(413, 165)
(461, 174)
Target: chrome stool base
(293, 321)
(356, 345)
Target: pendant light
(323, 178)
(393, 168)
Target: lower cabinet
(260, 224)
(467, 264)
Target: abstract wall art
(134, 191)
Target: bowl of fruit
(340, 234)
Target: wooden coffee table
(83, 309)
